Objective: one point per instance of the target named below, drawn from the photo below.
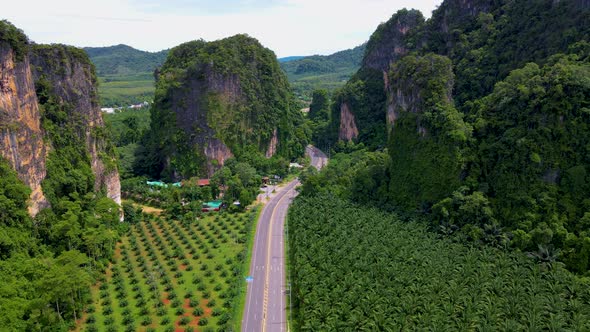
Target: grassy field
(173, 276)
(304, 85)
(119, 90)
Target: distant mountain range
(322, 71)
(291, 58)
(122, 60)
(126, 73)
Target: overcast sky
(288, 27)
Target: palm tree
(546, 255)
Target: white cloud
(289, 27)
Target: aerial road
(266, 294)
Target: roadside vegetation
(361, 269)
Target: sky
(288, 27)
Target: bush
(184, 320)
(146, 321)
(198, 311)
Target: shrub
(184, 320)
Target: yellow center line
(268, 255)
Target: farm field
(125, 90)
(174, 276)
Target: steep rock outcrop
(348, 130)
(73, 83)
(426, 133)
(361, 103)
(392, 40)
(417, 84)
(215, 99)
(38, 82)
(21, 136)
(485, 40)
(272, 145)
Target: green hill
(291, 58)
(217, 100)
(484, 115)
(329, 72)
(123, 60)
(126, 75)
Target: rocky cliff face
(392, 40)
(484, 39)
(21, 136)
(417, 84)
(213, 99)
(73, 82)
(272, 145)
(23, 140)
(389, 43)
(191, 104)
(348, 130)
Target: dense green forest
(123, 60)
(126, 75)
(361, 269)
(127, 127)
(48, 262)
(483, 118)
(322, 71)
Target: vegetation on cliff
(486, 127)
(229, 92)
(48, 262)
(427, 135)
(14, 37)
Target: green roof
(162, 184)
(157, 184)
(213, 204)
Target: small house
(212, 206)
(203, 182)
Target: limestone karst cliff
(21, 136)
(216, 99)
(48, 102)
(484, 39)
(70, 79)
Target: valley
(436, 177)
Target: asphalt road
(266, 294)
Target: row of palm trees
(359, 269)
(158, 263)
